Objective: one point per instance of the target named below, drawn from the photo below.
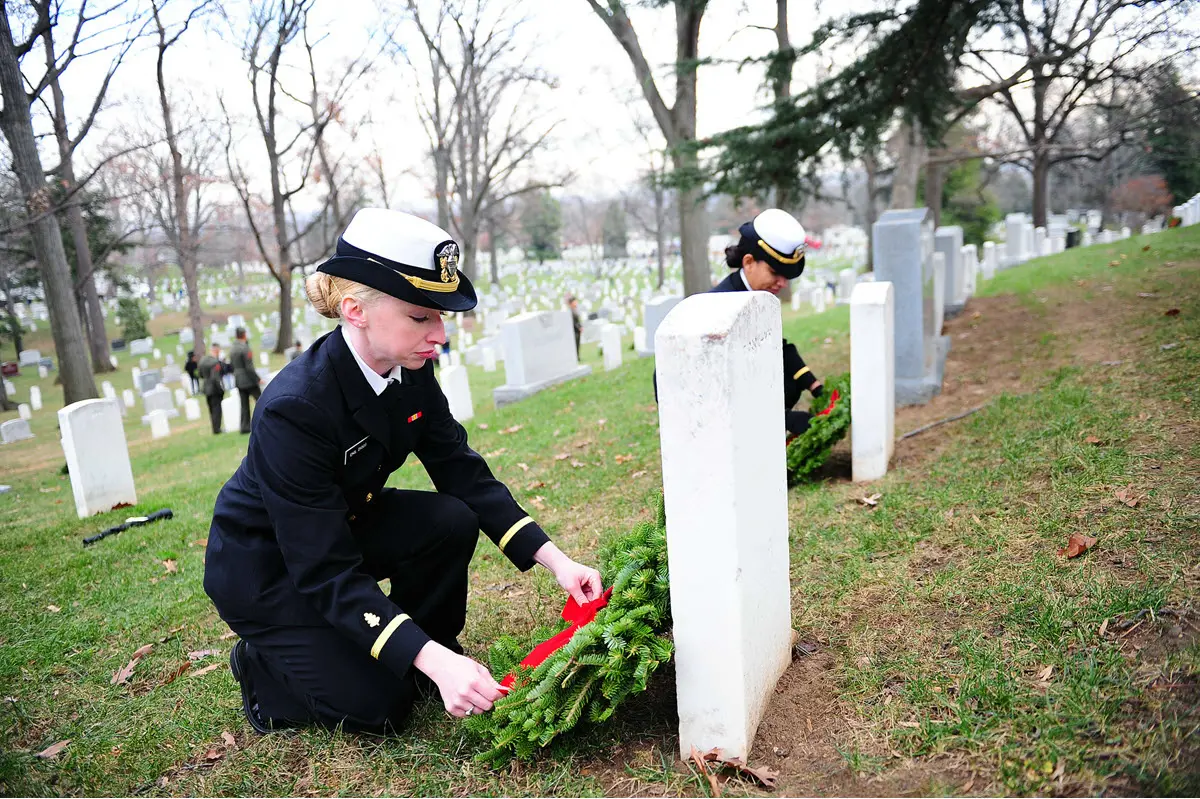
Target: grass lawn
(946, 647)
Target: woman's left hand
(581, 582)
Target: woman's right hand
(466, 686)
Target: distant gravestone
(93, 441)
(118, 344)
(127, 398)
(191, 409)
(171, 374)
(948, 241)
(654, 312)
(269, 340)
(904, 256)
(160, 424)
(9, 389)
(488, 357)
(872, 380)
(29, 357)
(170, 359)
(989, 260)
(147, 380)
(231, 414)
(457, 388)
(264, 359)
(724, 482)
(15, 430)
(610, 344)
(157, 399)
(24, 411)
(180, 397)
(157, 353)
(845, 286)
(141, 346)
(1040, 244)
(539, 352)
(1014, 238)
(43, 372)
(35, 398)
(970, 271)
(186, 336)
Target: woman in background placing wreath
(770, 253)
(305, 530)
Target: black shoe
(237, 664)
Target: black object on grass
(136, 521)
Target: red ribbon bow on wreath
(833, 398)
(578, 615)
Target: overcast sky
(596, 102)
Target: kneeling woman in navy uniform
(305, 528)
(769, 253)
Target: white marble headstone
(93, 440)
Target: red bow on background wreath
(833, 398)
(574, 613)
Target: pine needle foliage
(808, 451)
(605, 662)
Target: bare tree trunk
(185, 246)
(871, 167)
(441, 169)
(5, 404)
(85, 277)
(14, 324)
(934, 176)
(1041, 181)
(660, 231)
(783, 87)
(910, 155)
(493, 251)
(65, 325)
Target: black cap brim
(393, 283)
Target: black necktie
(391, 394)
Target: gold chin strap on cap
(427, 285)
(783, 259)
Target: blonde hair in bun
(326, 293)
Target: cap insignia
(447, 260)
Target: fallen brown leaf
(213, 754)
(538, 502)
(125, 672)
(699, 760)
(205, 670)
(638, 473)
(562, 456)
(1171, 312)
(1092, 440)
(601, 422)
(482, 425)
(1044, 674)
(1103, 627)
(170, 566)
(199, 542)
(515, 428)
(51, 751)
(584, 443)
(200, 654)
(624, 458)
(523, 467)
(535, 484)
(1147, 295)
(228, 635)
(765, 776)
(173, 676)
(1146, 248)
(1077, 544)
(869, 501)
(53, 608)
(577, 464)
(228, 738)
(1128, 496)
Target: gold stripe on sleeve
(504, 539)
(377, 647)
(802, 371)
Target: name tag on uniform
(354, 450)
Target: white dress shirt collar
(377, 382)
(742, 275)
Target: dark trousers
(422, 542)
(246, 394)
(214, 410)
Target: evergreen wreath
(605, 661)
(807, 452)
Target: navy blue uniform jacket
(796, 376)
(281, 549)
